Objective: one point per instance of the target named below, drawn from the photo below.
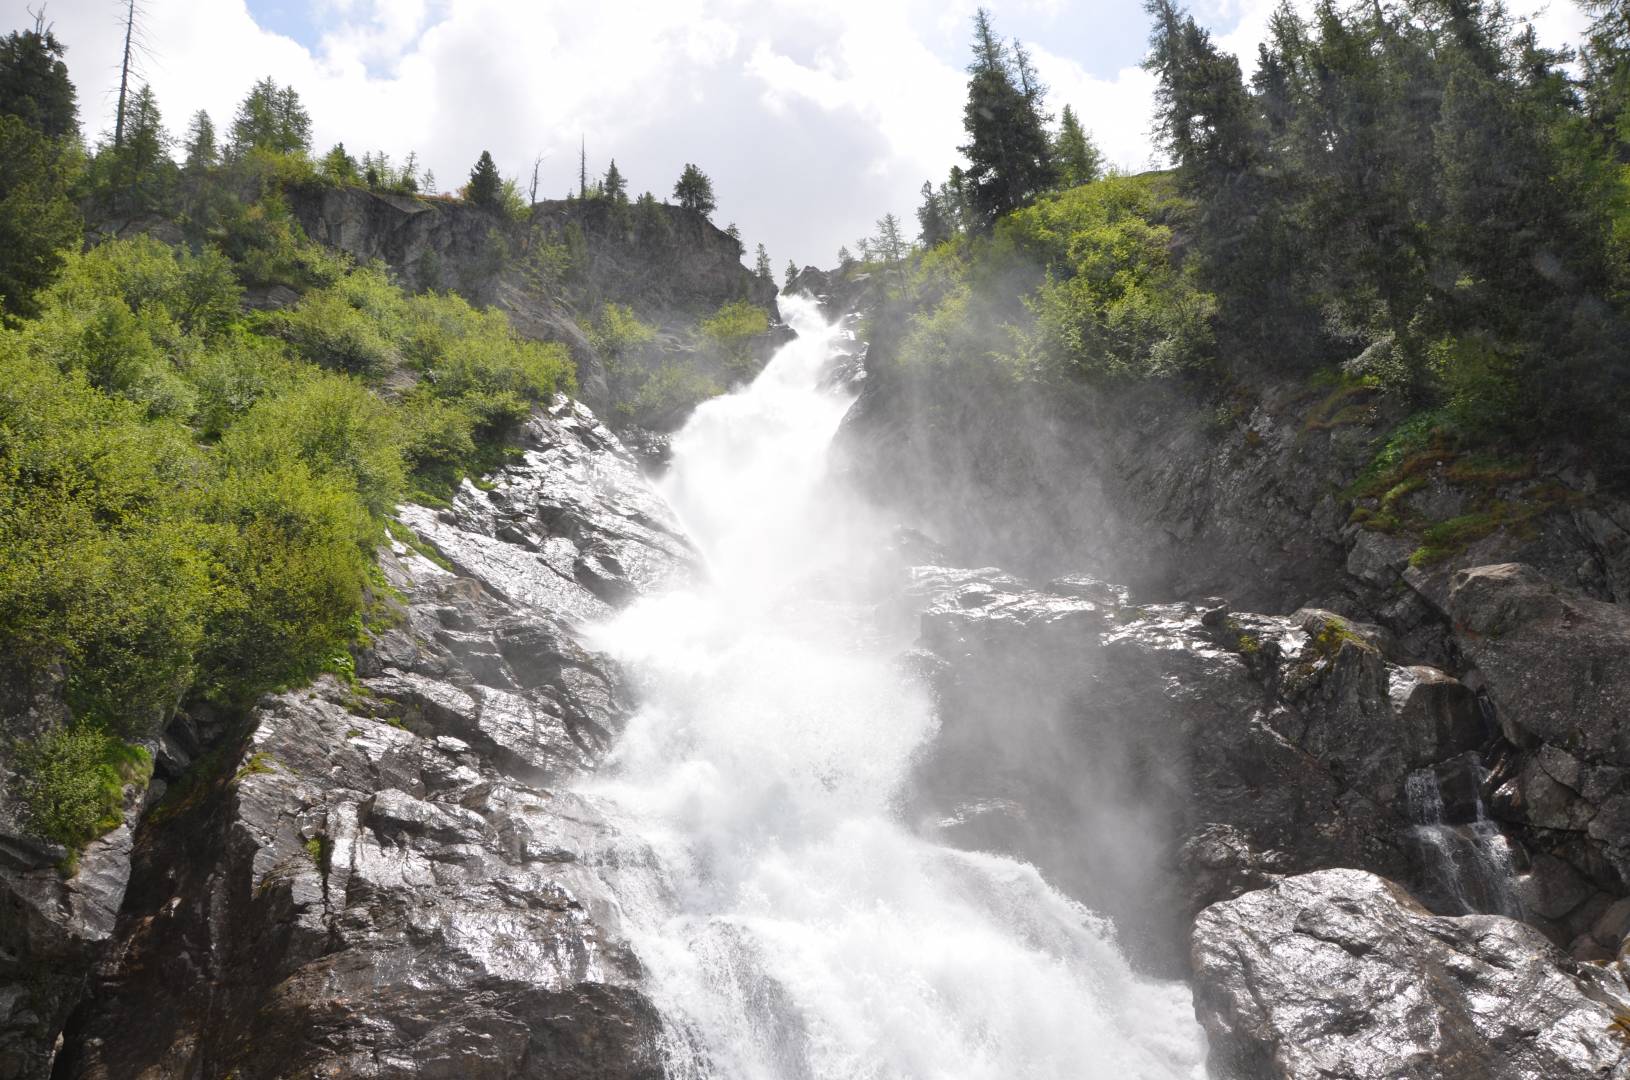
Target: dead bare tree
(135, 46)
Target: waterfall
(789, 924)
(1468, 867)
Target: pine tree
(1008, 153)
(615, 187)
(845, 258)
(34, 84)
(791, 274)
(200, 149)
(933, 227)
(1078, 159)
(761, 265)
(486, 186)
(695, 191)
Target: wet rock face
(52, 927)
(1556, 665)
(388, 878)
(1153, 760)
(1339, 973)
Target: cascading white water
(789, 925)
(1469, 866)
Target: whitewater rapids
(790, 925)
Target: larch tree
(1009, 157)
(271, 118)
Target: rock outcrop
(1249, 499)
(1198, 752)
(1339, 973)
(672, 265)
(386, 877)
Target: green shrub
(102, 567)
(72, 782)
(352, 326)
(292, 573)
(731, 331)
(671, 391)
(333, 426)
(268, 247)
(1113, 304)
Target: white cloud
(813, 120)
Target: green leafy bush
(72, 782)
(731, 331)
(334, 427)
(1114, 304)
(292, 572)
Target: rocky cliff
(1431, 698)
(384, 876)
(670, 265)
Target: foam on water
(789, 924)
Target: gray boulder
(1342, 974)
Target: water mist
(789, 924)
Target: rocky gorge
(1368, 808)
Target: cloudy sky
(811, 118)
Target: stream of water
(790, 925)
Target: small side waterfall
(790, 926)
(1469, 866)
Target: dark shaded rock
(1341, 973)
(53, 926)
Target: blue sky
(812, 119)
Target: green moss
(258, 762)
(1333, 635)
(406, 535)
(1347, 404)
(318, 849)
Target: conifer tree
(140, 171)
(1077, 158)
(615, 186)
(1007, 150)
(761, 265)
(200, 149)
(38, 221)
(791, 273)
(486, 186)
(271, 118)
(932, 224)
(695, 191)
(339, 166)
(34, 84)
